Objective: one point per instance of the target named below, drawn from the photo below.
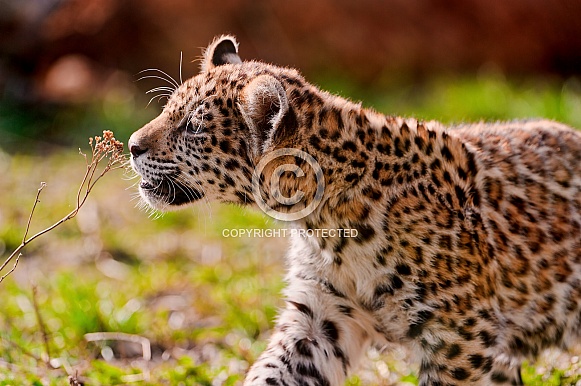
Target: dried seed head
(107, 145)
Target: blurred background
(67, 65)
(205, 303)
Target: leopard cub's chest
(357, 274)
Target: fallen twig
(144, 342)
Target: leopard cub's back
(530, 182)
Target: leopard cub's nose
(135, 149)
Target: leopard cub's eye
(190, 126)
(193, 122)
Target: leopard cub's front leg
(316, 341)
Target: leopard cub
(466, 242)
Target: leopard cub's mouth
(167, 191)
(146, 185)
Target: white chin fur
(153, 202)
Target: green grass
(205, 302)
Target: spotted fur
(468, 246)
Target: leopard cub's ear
(223, 50)
(265, 108)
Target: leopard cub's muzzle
(161, 186)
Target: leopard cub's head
(213, 130)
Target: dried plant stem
(13, 267)
(41, 325)
(102, 147)
(24, 240)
